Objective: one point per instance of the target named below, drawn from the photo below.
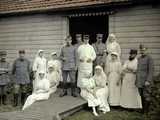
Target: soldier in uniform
(78, 40)
(4, 77)
(144, 80)
(68, 58)
(78, 43)
(21, 72)
(99, 48)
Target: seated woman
(101, 89)
(41, 91)
(95, 91)
(54, 77)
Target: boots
(0, 100)
(23, 98)
(4, 99)
(64, 92)
(15, 100)
(146, 107)
(73, 90)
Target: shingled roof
(16, 6)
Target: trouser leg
(3, 96)
(77, 88)
(64, 83)
(72, 75)
(16, 94)
(22, 87)
(0, 95)
(147, 98)
(15, 99)
(24, 91)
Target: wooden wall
(31, 33)
(136, 25)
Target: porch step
(51, 109)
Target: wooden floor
(47, 110)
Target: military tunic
(145, 73)
(4, 73)
(99, 49)
(4, 77)
(21, 71)
(69, 64)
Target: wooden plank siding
(135, 25)
(31, 33)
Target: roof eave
(61, 9)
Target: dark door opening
(89, 25)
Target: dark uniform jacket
(144, 71)
(4, 74)
(21, 71)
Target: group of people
(96, 71)
(44, 77)
(101, 77)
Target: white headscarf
(100, 79)
(113, 46)
(113, 36)
(53, 53)
(37, 55)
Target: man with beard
(4, 77)
(21, 72)
(144, 80)
(130, 97)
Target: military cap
(78, 35)
(99, 35)
(85, 36)
(141, 46)
(21, 51)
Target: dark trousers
(20, 92)
(78, 89)
(145, 96)
(3, 94)
(72, 76)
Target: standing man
(4, 77)
(21, 71)
(99, 48)
(78, 40)
(68, 58)
(86, 56)
(145, 77)
(78, 43)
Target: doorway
(89, 25)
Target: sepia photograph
(79, 59)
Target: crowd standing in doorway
(95, 72)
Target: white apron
(85, 68)
(130, 97)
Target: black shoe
(74, 94)
(4, 100)
(63, 94)
(23, 98)
(15, 100)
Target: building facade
(32, 25)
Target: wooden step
(48, 110)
